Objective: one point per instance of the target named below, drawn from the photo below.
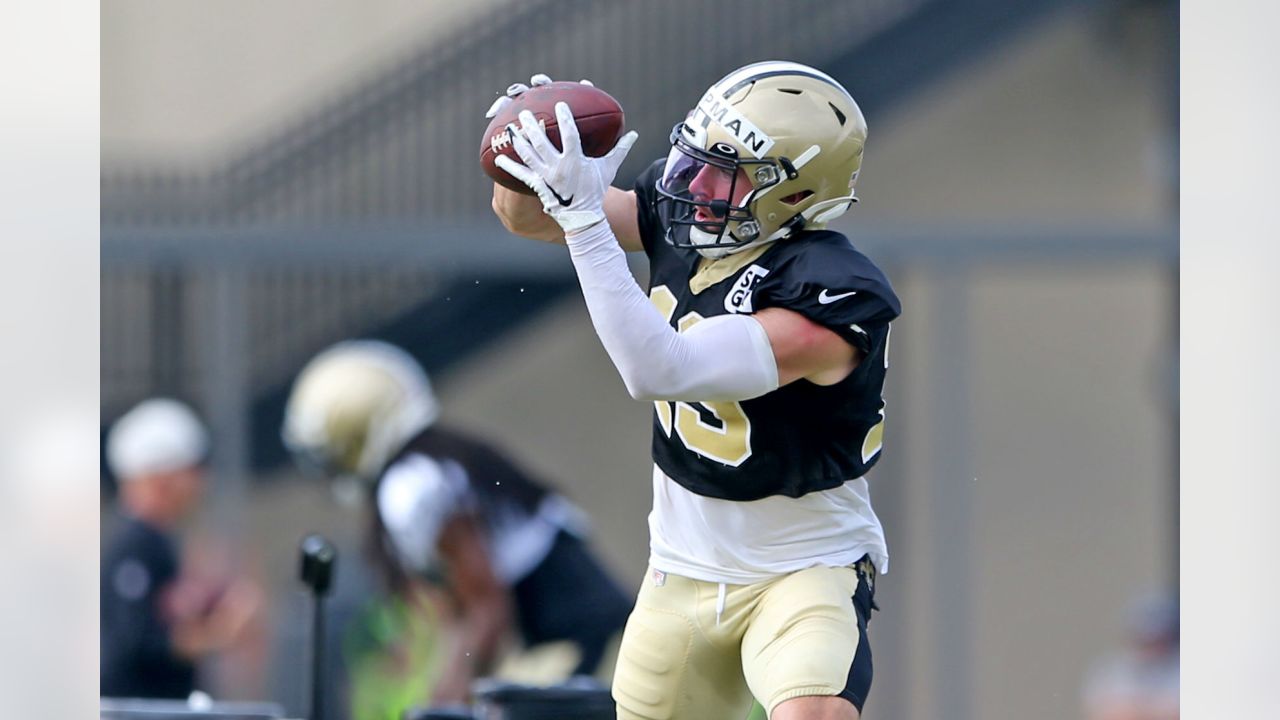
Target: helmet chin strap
(817, 215)
(712, 250)
(708, 245)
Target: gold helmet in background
(794, 130)
(354, 406)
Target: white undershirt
(739, 543)
(418, 496)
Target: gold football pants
(696, 650)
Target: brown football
(598, 117)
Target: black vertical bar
(315, 694)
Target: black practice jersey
(801, 437)
(138, 659)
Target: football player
(453, 512)
(763, 343)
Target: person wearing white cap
(156, 451)
(153, 628)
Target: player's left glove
(516, 89)
(571, 185)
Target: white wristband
(655, 361)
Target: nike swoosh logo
(825, 299)
(563, 202)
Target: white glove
(571, 185)
(517, 88)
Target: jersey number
(718, 431)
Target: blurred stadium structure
(1020, 189)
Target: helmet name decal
(738, 300)
(712, 108)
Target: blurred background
(280, 176)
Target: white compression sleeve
(727, 357)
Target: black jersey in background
(137, 658)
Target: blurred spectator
(457, 529)
(156, 620)
(1141, 681)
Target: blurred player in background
(452, 512)
(158, 621)
(762, 342)
(1141, 681)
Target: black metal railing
(403, 144)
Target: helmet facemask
(735, 227)
(318, 464)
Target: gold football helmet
(354, 406)
(797, 134)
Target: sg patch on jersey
(738, 299)
(801, 437)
